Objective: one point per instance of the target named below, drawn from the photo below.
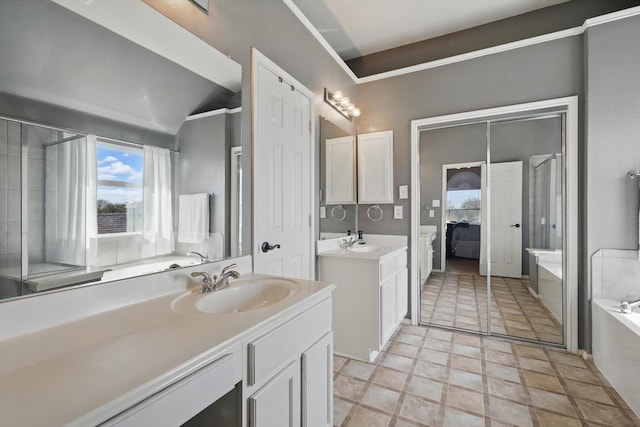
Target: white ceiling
(356, 28)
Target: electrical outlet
(397, 212)
(403, 191)
(432, 213)
(436, 203)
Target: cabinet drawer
(181, 401)
(390, 265)
(271, 352)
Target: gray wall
(549, 70)
(612, 61)
(204, 166)
(234, 27)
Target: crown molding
(571, 32)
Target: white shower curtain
(157, 221)
(71, 224)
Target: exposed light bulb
(356, 112)
(350, 107)
(337, 96)
(345, 101)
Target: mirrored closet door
(491, 222)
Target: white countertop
(89, 370)
(385, 246)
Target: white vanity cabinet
(290, 372)
(340, 170)
(375, 167)
(369, 302)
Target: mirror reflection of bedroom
(491, 198)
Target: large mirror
(115, 160)
(492, 197)
(338, 208)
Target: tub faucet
(222, 281)
(626, 307)
(203, 258)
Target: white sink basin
(240, 296)
(364, 248)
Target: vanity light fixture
(341, 103)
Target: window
(463, 205)
(119, 188)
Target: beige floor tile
(607, 415)
(456, 418)
(548, 419)
(435, 356)
(588, 391)
(580, 374)
(431, 370)
(404, 349)
(465, 399)
(395, 361)
(421, 410)
(466, 380)
(341, 409)
(467, 350)
(501, 358)
(410, 339)
(349, 388)
(509, 412)
(381, 398)
(551, 401)
(338, 361)
(357, 369)
(390, 378)
(496, 370)
(493, 344)
(543, 381)
(530, 351)
(541, 366)
(466, 364)
(507, 390)
(567, 359)
(425, 388)
(364, 417)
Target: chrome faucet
(203, 258)
(222, 281)
(218, 282)
(207, 283)
(626, 307)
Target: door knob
(266, 247)
(515, 225)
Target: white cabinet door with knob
(375, 167)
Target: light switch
(432, 213)
(323, 212)
(397, 212)
(436, 203)
(403, 191)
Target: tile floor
(460, 300)
(433, 377)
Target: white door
(506, 219)
(281, 173)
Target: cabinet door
(387, 310)
(340, 170)
(402, 295)
(375, 167)
(317, 383)
(277, 403)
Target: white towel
(193, 226)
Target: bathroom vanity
(154, 351)
(371, 295)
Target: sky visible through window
(124, 166)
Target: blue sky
(456, 198)
(117, 163)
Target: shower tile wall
(9, 194)
(36, 138)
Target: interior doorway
(498, 300)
